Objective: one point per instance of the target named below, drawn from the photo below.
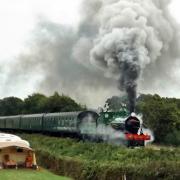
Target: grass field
(91, 161)
(29, 175)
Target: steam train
(89, 125)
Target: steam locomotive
(89, 125)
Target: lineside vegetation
(93, 161)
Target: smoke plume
(129, 44)
(133, 35)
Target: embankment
(91, 161)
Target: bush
(91, 161)
(161, 115)
(173, 138)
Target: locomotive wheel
(142, 143)
(130, 144)
(85, 138)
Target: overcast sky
(19, 17)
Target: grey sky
(18, 19)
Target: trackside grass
(92, 161)
(29, 175)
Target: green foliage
(35, 103)
(38, 103)
(173, 138)
(104, 162)
(116, 103)
(57, 103)
(162, 115)
(11, 106)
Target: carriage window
(62, 121)
(72, 121)
(65, 121)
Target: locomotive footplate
(134, 140)
(138, 137)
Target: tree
(57, 103)
(38, 103)
(35, 103)
(160, 114)
(11, 106)
(116, 103)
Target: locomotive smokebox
(132, 124)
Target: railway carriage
(89, 125)
(60, 122)
(31, 122)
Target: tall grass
(101, 161)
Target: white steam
(146, 131)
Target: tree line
(161, 115)
(38, 103)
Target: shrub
(173, 138)
(91, 161)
